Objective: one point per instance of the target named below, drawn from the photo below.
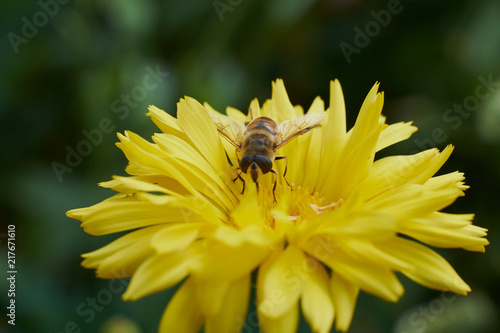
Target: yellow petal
(390, 172)
(146, 159)
(231, 317)
(366, 251)
(120, 213)
(160, 272)
(286, 323)
(335, 129)
(359, 225)
(436, 164)
(199, 127)
(175, 237)
(236, 114)
(394, 133)
(132, 185)
(369, 101)
(449, 180)
(295, 153)
(413, 201)
(121, 257)
(261, 236)
(316, 301)
(281, 107)
(355, 158)
(281, 278)
(165, 122)
(248, 211)
(425, 231)
(229, 235)
(447, 220)
(210, 296)
(266, 108)
(220, 181)
(314, 159)
(227, 262)
(334, 132)
(228, 147)
(345, 295)
(182, 314)
(432, 270)
(375, 279)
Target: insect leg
(238, 176)
(238, 172)
(275, 182)
(286, 168)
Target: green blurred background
(67, 65)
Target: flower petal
(353, 161)
(210, 296)
(131, 185)
(368, 252)
(316, 301)
(390, 172)
(199, 127)
(175, 237)
(165, 122)
(282, 276)
(281, 107)
(121, 257)
(334, 132)
(345, 295)
(426, 231)
(220, 181)
(237, 261)
(432, 270)
(120, 213)
(236, 114)
(372, 278)
(358, 225)
(182, 314)
(161, 272)
(436, 164)
(394, 133)
(413, 201)
(286, 323)
(146, 159)
(314, 160)
(231, 316)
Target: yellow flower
(349, 223)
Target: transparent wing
(294, 127)
(230, 129)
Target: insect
(258, 141)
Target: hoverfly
(258, 141)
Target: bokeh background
(67, 68)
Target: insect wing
(294, 127)
(230, 129)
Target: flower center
(299, 204)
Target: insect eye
(264, 163)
